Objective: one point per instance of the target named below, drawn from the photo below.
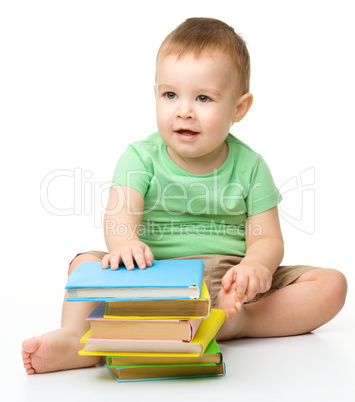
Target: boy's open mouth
(187, 132)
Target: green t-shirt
(187, 214)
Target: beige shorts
(216, 265)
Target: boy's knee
(79, 259)
(341, 285)
(335, 288)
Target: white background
(76, 87)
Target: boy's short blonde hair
(200, 35)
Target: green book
(166, 372)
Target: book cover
(164, 280)
(165, 372)
(155, 329)
(111, 347)
(155, 309)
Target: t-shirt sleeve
(131, 172)
(263, 193)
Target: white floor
(313, 367)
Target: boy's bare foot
(235, 315)
(54, 351)
(226, 302)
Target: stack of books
(150, 324)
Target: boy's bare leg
(309, 302)
(58, 350)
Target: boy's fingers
(127, 259)
(253, 287)
(114, 261)
(104, 261)
(241, 297)
(139, 258)
(242, 285)
(148, 256)
(228, 279)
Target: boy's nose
(185, 110)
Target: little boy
(192, 190)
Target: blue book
(164, 280)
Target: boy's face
(196, 103)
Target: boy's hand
(134, 249)
(250, 278)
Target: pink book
(147, 330)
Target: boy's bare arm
(264, 242)
(264, 253)
(122, 222)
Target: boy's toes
(230, 313)
(25, 355)
(30, 345)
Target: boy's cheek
(162, 115)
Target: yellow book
(212, 355)
(119, 347)
(161, 309)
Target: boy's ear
(243, 105)
(155, 91)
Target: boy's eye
(170, 95)
(203, 98)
